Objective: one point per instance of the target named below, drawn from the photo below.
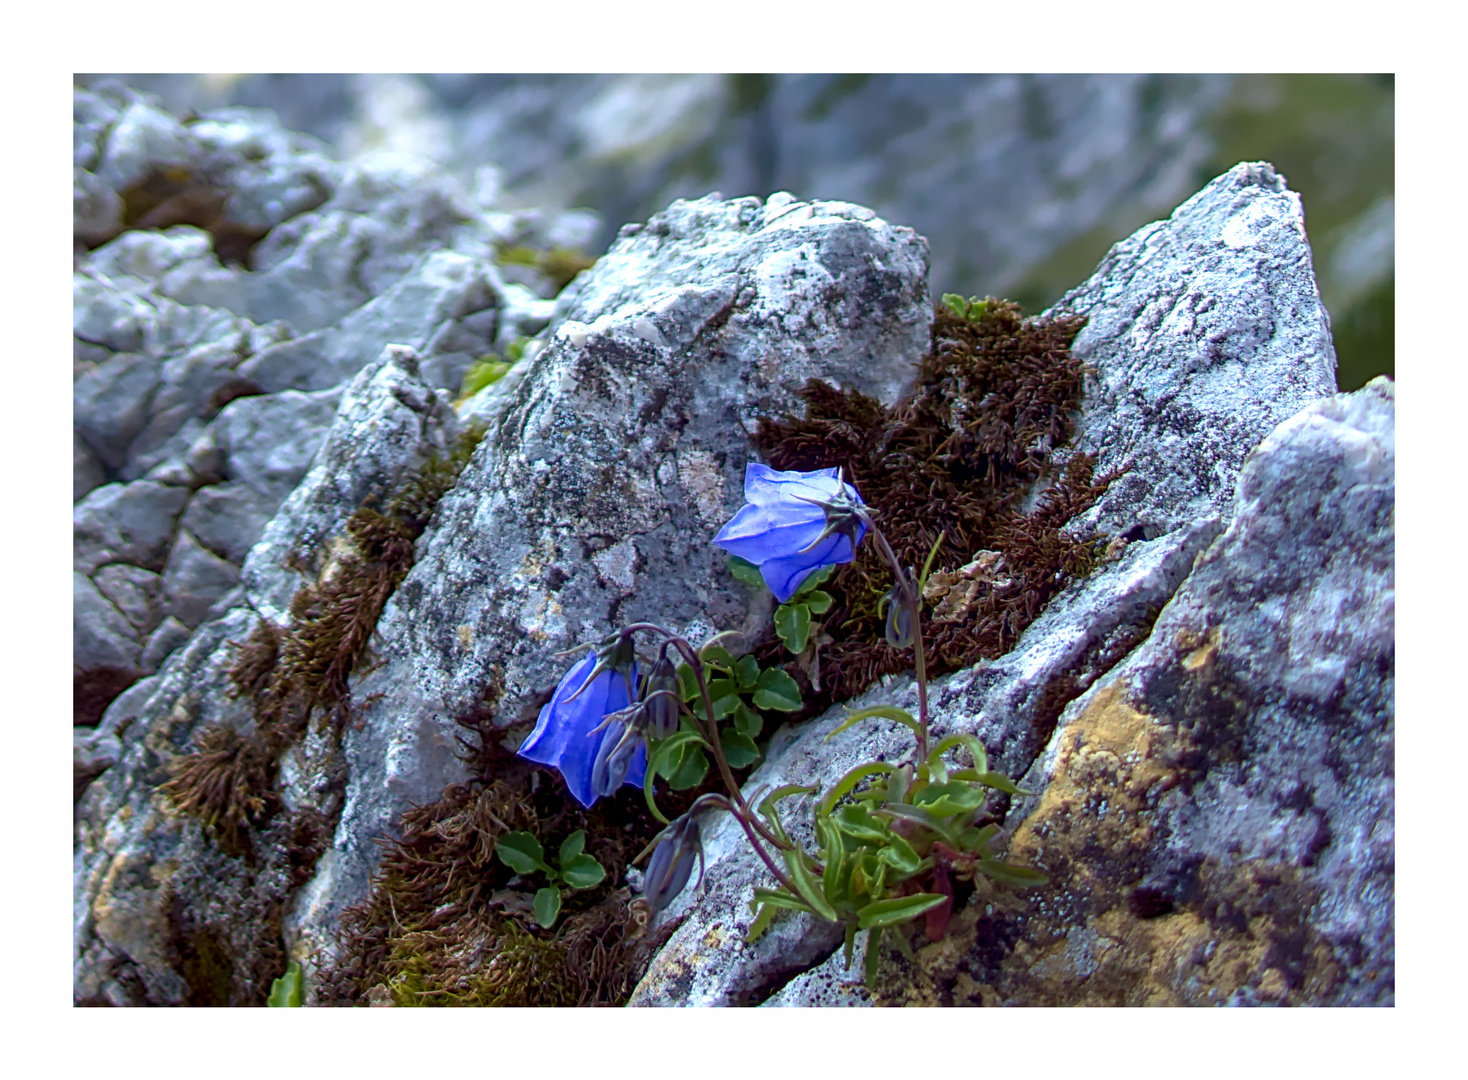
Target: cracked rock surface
(1182, 400)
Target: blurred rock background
(1020, 182)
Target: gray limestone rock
(626, 433)
(87, 470)
(101, 636)
(1200, 329)
(169, 635)
(1093, 623)
(267, 442)
(130, 523)
(140, 139)
(110, 404)
(387, 425)
(194, 579)
(228, 518)
(133, 591)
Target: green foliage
(889, 839)
(288, 990)
(792, 618)
(522, 853)
(489, 369)
(738, 689)
(973, 309)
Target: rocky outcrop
(1204, 333)
(230, 279)
(267, 459)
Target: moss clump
(995, 398)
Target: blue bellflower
(784, 527)
(564, 736)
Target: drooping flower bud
(899, 615)
(660, 693)
(672, 863)
(619, 744)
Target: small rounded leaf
(547, 906)
(583, 872)
(521, 852)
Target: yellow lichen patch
(1095, 935)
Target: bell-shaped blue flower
(565, 737)
(793, 523)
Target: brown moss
(292, 675)
(176, 195)
(995, 398)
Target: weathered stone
(169, 635)
(87, 470)
(444, 287)
(130, 523)
(110, 405)
(228, 518)
(387, 425)
(747, 300)
(268, 442)
(1096, 621)
(141, 139)
(107, 316)
(101, 637)
(194, 579)
(96, 210)
(133, 591)
(1201, 328)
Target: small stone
(133, 591)
(131, 523)
(101, 637)
(169, 635)
(194, 579)
(228, 518)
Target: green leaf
(747, 722)
(956, 304)
(546, 906)
(668, 754)
(761, 921)
(583, 872)
(572, 846)
(858, 823)
(887, 712)
(976, 309)
(805, 884)
(690, 771)
(652, 806)
(746, 672)
(687, 682)
(792, 623)
(1019, 876)
(287, 991)
(739, 749)
(811, 580)
(833, 852)
(521, 852)
(849, 943)
(768, 803)
(719, 688)
(849, 781)
(485, 372)
(896, 909)
(818, 601)
(948, 799)
(975, 748)
(899, 854)
(1000, 782)
(779, 898)
(727, 705)
(716, 656)
(745, 571)
(777, 690)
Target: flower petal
(562, 737)
(765, 486)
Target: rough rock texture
(230, 279)
(166, 914)
(620, 451)
(1143, 409)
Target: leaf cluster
(739, 689)
(973, 309)
(889, 838)
(577, 869)
(288, 990)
